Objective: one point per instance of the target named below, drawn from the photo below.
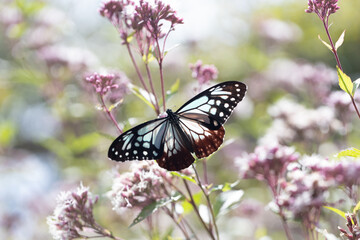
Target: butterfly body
(195, 128)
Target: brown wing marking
(204, 140)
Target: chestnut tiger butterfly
(196, 127)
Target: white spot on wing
(220, 93)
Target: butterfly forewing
(142, 142)
(213, 106)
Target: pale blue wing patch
(139, 143)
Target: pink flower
(144, 184)
(267, 163)
(131, 19)
(323, 8)
(203, 73)
(72, 213)
(102, 83)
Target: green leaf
(29, 7)
(356, 208)
(173, 89)
(58, 148)
(227, 200)
(26, 75)
(352, 152)
(81, 144)
(224, 187)
(187, 207)
(142, 94)
(325, 43)
(153, 207)
(170, 49)
(167, 234)
(7, 133)
(191, 179)
(335, 210)
(356, 85)
(130, 37)
(148, 58)
(115, 105)
(345, 82)
(17, 30)
(107, 136)
(340, 41)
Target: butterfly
(196, 127)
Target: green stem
(192, 202)
(109, 113)
(326, 26)
(206, 194)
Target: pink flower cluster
(130, 18)
(267, 163)
(353, 227)
(323, 8)
(143, 185)
(72, 213)
(343, 172)
(102, 83)
(303, 192)
(203, 73)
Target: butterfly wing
(177, 149)
(143, 142)
(204, 140)
(202, 117)
(213, 106)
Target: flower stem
(109, 113)
(103, 232)
(192, 202)
(160, 58)
(172, 216)
(326, 26)
(152, 88)
(206, 194)
(136, 67)
(139, 73)
(285, 225)
(162, 85)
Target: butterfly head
(169, 112)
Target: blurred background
(52, 135)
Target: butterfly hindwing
(213, 106)
(205, 141)
(142, 142)
(177, 149)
